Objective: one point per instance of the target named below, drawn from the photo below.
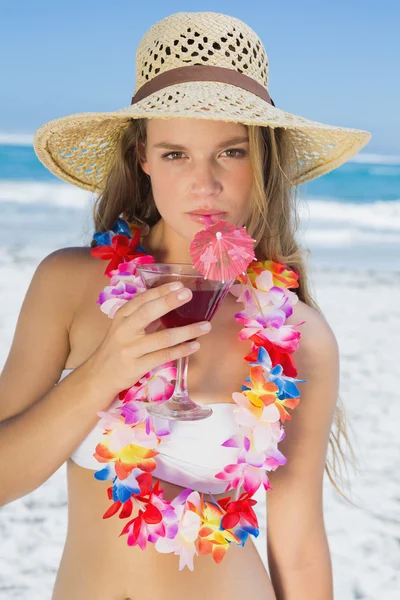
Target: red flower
(278, 357)
(145, 481)
(151, 516)
(122, 250)
(236, 510)
(115, 506)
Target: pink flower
(155, 385)
(276, 307)
(257, 440)
(261, 424)
(119, 435)
(126, 269)
(153, 516)
(244, 475)
(188, 524)
(146, 527)
(135, 413)
(124, 285)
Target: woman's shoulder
(74, 272)
(72, 262)
(317, 334)
(70, 255)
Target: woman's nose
(205, 181)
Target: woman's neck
(166, 245)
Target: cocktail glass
(207, 297)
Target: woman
(201, 134)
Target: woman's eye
(239, 152)
(165, 156)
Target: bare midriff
(98, 564)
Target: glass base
(179, 409)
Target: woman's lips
(212, 218)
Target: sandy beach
(363, 309)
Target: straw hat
(203, 65)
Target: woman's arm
(298, 552)
(35, 443)
(42, 423)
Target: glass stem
(181, 377)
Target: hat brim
(80, 148)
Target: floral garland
(188, 525)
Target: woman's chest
(215, 371)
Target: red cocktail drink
(207, 295)
(201, 307)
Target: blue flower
(107, 473)
(286, 385)
(104, 239)
(121, 226)
(122, 491)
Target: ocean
(349, 217)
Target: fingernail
(205, 326)
(175, 286)
(183, 295)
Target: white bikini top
(190, 456)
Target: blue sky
(337, 63)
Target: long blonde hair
(272, 221)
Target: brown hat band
(201, 73)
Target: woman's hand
(129, 350)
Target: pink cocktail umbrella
(222, 251)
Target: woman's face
(198, 164)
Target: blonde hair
(272, 221)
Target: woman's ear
(142, 157)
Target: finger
(154, 309)
(153, 326)
(154, 359)
(151, 294)
(166, 338)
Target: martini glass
(207, 295)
